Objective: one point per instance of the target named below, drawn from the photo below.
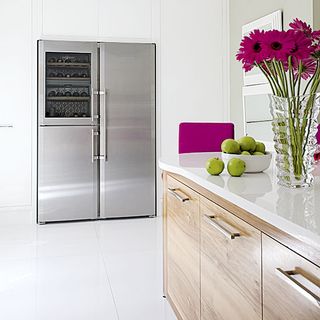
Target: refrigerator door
(67, 83)
(127, 130)
(67, 173)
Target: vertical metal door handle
(287, 277)
(105, 125)
(93, 149)
(93, 94)
(92, 146)
(177, 195)
(91, 105)
(230, 235)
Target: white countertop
(294, 211)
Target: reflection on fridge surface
(96, 134)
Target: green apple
(236, 167)
(214, 166)
(247, 144)
(246, 153)
(260, 147)
(258, 153)
(230, 146)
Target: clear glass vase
(295, 126)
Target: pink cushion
(203, 137)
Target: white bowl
(253, 163)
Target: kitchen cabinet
(15, 108)
(125, 18)
(222, 263)
(230, 280)
(291, 287)
(70, 18)
(97, 19)
(182, 250)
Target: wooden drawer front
(188, 208)
(183, 251)
(230, 268)
(291, 284)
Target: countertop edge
(284, 225)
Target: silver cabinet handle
(6, 125)
(287, 277)
(230, 235)
(177, 195)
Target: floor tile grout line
(106, 271)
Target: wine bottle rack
(68, 85)
(68, 78)
(68, 98)
(69, 65)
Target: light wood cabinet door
(291, 284)
(230, 266)
(182, 249)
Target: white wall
(193, 48)
(15, 110)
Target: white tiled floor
(101, 270)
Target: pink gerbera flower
(316, 35)
(278, 44)
(302, 45)
(250, 51)
(309, 67)
(298, 25)
(247, 66)
(316, 51)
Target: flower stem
(311, 79)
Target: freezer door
(67, 173)
(67, 82)
(127, 140)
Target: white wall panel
(192, 65)
(70, 17)
(125, 18)
(15, 107)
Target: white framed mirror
(257, 116)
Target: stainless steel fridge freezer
(96, 130)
